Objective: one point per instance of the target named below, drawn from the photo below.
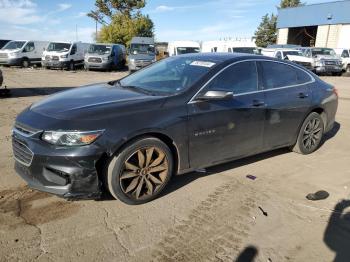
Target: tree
(121, 20)
(290, 3)
(266, 32)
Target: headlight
(339, 63)
(70, 138)
(132, 60)
(320, 63)
(64, 56)
(14, 54)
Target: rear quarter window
(276, 75)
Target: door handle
(303, 95)
(258, 103)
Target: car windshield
(14, 45)
(100, 49)
(187, 50)
(298, 53)
(322, 51)
(169, 76)
(142, 49)
(246, 50)
(58, 47)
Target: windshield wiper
(134, 88)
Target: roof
(330, 13)
(218, 57)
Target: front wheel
(310, 135)
(140, 172)
(71, 66)
(25, 63)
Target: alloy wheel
(144, 173)
(312, 134)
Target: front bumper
(55, 64)
(328, 69)
(103, 65)
(11, 61)
(67, 172)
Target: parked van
(142, 53)
(64, 55)
(230, 46)
(105, 56)
(22, 52)
(183, 47)
(281, 53)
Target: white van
(183, 47)
(64, 55)
(229, 46)
(344, 54)
(22, 52)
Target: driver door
(224, 129)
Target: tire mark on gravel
(214, 230)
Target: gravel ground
(219, 215)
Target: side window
(277, 75)
(279, 55)
(345, 54)
(74, 49)
(239, 78)
(302, 77)
(230, 50)
(29, 47)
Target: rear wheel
(310, 135)
(140, 172)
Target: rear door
(220, 130)
(288, 99)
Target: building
(320, 25)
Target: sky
(198, 20)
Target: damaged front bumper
(67, 172)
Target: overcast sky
(173, 19)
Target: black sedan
(180, 114)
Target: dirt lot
(214, 216)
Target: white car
(183, 47)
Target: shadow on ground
(248, 254)
(337, 234)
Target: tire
(47, 67)
(71, 66)
(135, 181)
(310, 135)
(25, 63)
(347, 70)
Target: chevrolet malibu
(183, 113)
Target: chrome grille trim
(22, 153)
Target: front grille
(3, 55)
(329, 62)
(95, 60)
(55, 58)
(142, 63)
(21, 152)
(25, 130)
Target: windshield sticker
(202, 63)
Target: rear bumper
(68, 173)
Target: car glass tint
(302, 77)
(278, 75)
(239, 78)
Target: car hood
(298, 58)
(92, 102)
(326, 57)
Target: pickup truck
(344, 54)
(319, 60)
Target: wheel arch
(166, 139)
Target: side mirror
(215, 95)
